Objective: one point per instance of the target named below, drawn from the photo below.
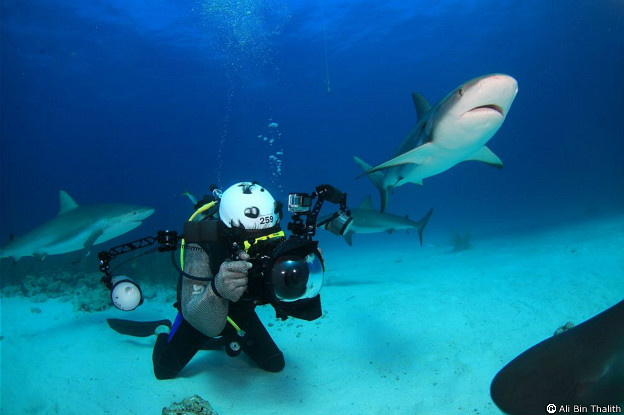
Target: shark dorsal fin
(421, 104)
(67, 203)
(366, 203)
(349, 238)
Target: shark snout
(143, 213)
(138, 214)
(502, 89)
(490, 95)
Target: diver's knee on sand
(274, 363)
(165, 364)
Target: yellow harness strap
(279, 234)
(193, 216)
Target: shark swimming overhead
(367, 219)
(453, 130)
(76, 227)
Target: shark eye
(422, 125)
(461, 92)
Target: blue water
(138, 101)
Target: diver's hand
(231, 280)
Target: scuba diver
(205, 306)
(235, 258)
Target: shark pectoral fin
(403, 180)
(92, 238)
(487, 156)
(364, 165)
(416, 156)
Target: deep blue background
(117, 101)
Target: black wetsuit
(173, 351)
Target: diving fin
(136, 328)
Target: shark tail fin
(377, 178)
(422, 223)
(191, 197)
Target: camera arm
(167, 241)
(324, 192)
(331, 194)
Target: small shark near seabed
(454, 130)
(367, 219)
(75, 228)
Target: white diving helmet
(248, 205)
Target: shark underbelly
(415, 173)
(68, 245)
(47, 241)
(372, 228)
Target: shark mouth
(492, 107)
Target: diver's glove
(231, 280)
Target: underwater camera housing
(286, 273)
(299, 202)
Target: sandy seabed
(405, 330)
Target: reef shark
(453, 130)
(583, 366)
(76, 227)
(367, 219)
